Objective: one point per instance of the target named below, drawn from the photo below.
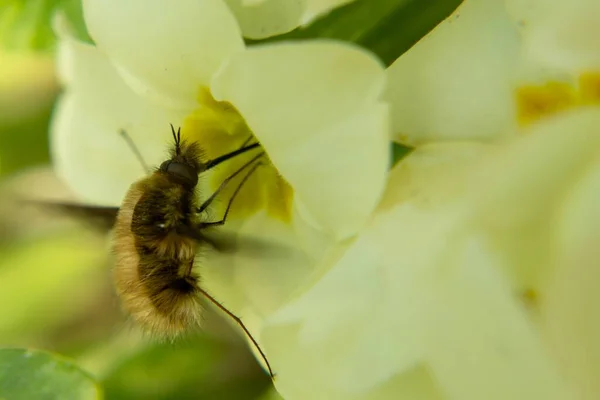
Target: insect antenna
(176, 138)
(135, 150)
(241, 324)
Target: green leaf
(399, 151)
(199, 367)
(27, 24)
(31, 374)
(28, 147)
(386, 27)
(74, 14)
(40, 276)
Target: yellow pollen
(530, 297)
(219, 128)
(536, 102)
(589, 88)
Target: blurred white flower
(314, 106)
(457, 82)
(473, 281)
(476, 277)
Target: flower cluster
(466, 271)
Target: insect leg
(246, 141)
(235, 193)
(241, 324)
(208, 201)
(135, 150)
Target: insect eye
(165, 165)
(183, 173)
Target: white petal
(563, 35)
(456, 83)
(361, 324)
(317, 8)
(434, 175)
(313, 106)
(480, 344)
(268, 18)
(516, 191)
(263, 272)
(87, 149)
(341, 188)
(165, 51)
(570, 302)
(370, 282)
(418, 383)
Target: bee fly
(157, 233)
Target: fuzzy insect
(158, 230)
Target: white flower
(304, 101)
(314, 106)
(475, 277)
(457, 82)
(559, 35)
(471, 282)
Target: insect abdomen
(153, 272)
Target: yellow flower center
(538, 101)
(219, 129)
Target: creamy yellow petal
(262, 272)
(164, 51)
(570, 301)
(314, 108)
(456, 83)
(561, 35)
(373, 299)
(268, 17)
(480, 343)
(434, 175)
(317, 8)
(516, 191)
(87, 150)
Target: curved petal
(314, 108)
(164, 51)
(457, 82)
(366, 285)
(87, 149)
(550, 154)
(263, 272)
(354, 301)
(570, 303)
(433, 175)
(389, 299)
(268, 17)
(562, 35)
(317, 8)
(480, 342)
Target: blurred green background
(55, 291)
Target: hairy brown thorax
(154, 254)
